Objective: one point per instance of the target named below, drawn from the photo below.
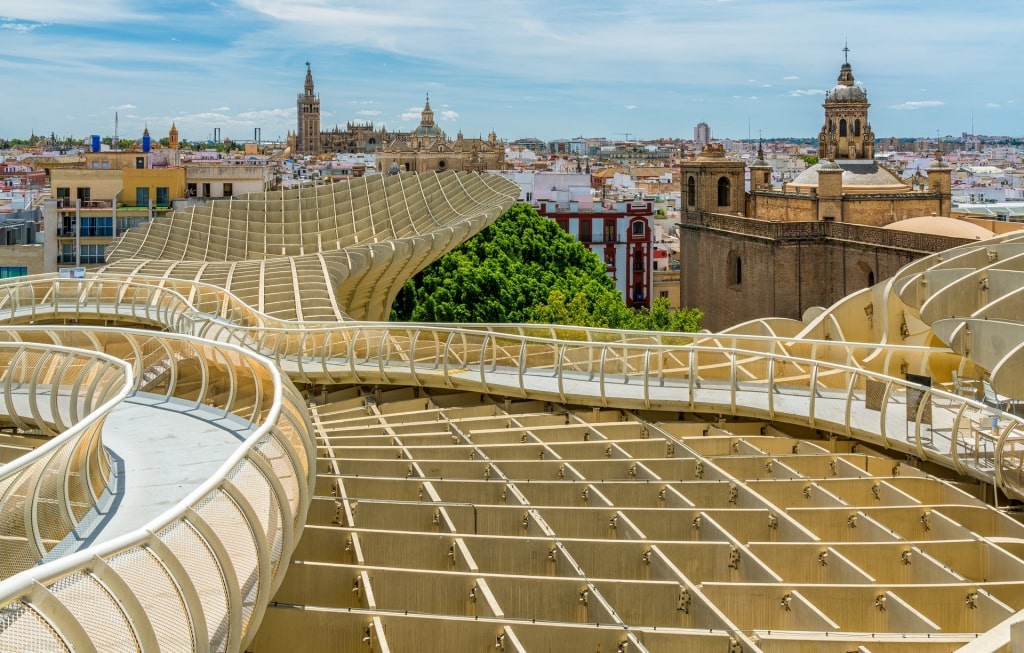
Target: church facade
(309, 140)
(428, 149)
(425, 149)
(779, 251)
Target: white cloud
(766, 85)
(992, 105)
(790, 77)
(221, 109)
(448, 114)
(913, 105)
(806, 91)
(368, 112)
(125, 107)
(413, 113)
(630, 107)
(22, 28)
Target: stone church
(835, 229)
(356, 138)
(428, 149)
(425, 149)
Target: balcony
(68, 204)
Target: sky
(523, 68)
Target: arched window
(856, 127)
(691, 192)
(638, 228)
(842, 127)
(871, 278)
(735, 269)
(723, 191)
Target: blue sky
(523, 68)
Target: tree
(809, 159)
(525, 268)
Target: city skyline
(522, 70)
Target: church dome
(940, 226)
(857, 175)
(846, 90)
(843, 93)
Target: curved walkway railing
(197, 576)
(219, 550)
(46, 492)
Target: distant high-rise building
(702, 133)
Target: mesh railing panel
(260, 494)
(194, 553)
(96, 610)
(226, 519)
(159, 596)
(274, 453)
(23, 629)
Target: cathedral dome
(846, 90)
(941, 226)
(863, 176)
(843, 93)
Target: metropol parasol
(217, 443)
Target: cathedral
(425, 149)
(356, 138)
(428, 149)
(839, 226)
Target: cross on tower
(846, 53)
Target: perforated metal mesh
(22, 629)
(260, 495)
(194, 553)
(273, 452)
(159, 596)
(96, 610)
(228, 522)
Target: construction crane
(626, 134)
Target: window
(609, 231)
(842, 127)
(93, 254)
(856, 127)
(140, 162)
(723, 191)
(229, 189)
(585, 234)
(691, 191)
(97, 227)
(442, 164)
(871, 278)
(190, 190)
(563, 224)
(663, 294)
(141, 196)
(7, 272)
(84, 194)
(638, 228)
(63, 197)
(609, 256)
(735, 269)
(206, 190)
(163, 196)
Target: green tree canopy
(525, 268)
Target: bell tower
(846, 133)
(308, 112)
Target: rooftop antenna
(117, 143)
